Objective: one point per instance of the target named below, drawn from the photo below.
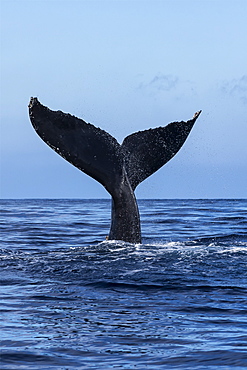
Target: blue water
(70, 300)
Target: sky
(126, 66)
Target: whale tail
(119, 168)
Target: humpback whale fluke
(119, 168)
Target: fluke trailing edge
(119, 168)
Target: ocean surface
(71, 300)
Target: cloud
(160, 83)
(237, 87)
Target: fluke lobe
(119, 168)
